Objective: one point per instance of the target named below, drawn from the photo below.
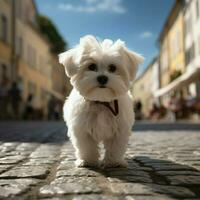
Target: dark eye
(112, 68)
(92, 67)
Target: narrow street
(36, 162)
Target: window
(19, 46)
(172, 44)
(164, 61)
(31, 88)
(21, 83)
(31, 56)
(41, 63)
(187, 25)
(189, 55)
(44, 95)
(44, 66)
(178, 45)
(197, 9)
(4, 28)
(3, 72)
(199, 44)
(175, 46)
(19, 9)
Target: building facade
(5, 40)
(25, 55)
(192, 42)
(172, 50)
(156, 82)
(145, 86)
(181, 37)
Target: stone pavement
(36, 162)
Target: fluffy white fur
(90, 123)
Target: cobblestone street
(36, 162)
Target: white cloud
(146, 34)
(91, 1)
(91, 6)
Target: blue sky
(137, 22)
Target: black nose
(102, 79)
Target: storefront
(184, 81)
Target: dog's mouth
(102, 86)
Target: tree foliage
(175, 75)
(49, 30)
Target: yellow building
(171, 40)
(25, 54)
(5, 40)
(176, 45)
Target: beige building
(5, 39)
(25, 54)
(144, 87)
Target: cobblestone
(158, 197)
(77, 172)
(15, 186)
(96, 197)
(130, 188)
(37, 162)
(136, 179)
(71, 186)
(176, 191)
(184, 180)
(26, 171)
(11, 159)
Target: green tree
(175, 75)
(49, 30)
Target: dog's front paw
(83, 163)
(114, 164)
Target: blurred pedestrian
(173, 107)
(190, 102)
(4, 87)
(154, 112)
(57, 111)
(182, 112)
(51, 108)
(138, 110)
(15, 100)
(29, 109)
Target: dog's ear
(68, 60)
(133, 60)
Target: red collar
(115, 110)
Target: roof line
(166, 24)
(146, 69)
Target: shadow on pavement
(155, 177)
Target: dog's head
(100, 71)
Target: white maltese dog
(99, 108)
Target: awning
(57, 95)
(185, 79)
